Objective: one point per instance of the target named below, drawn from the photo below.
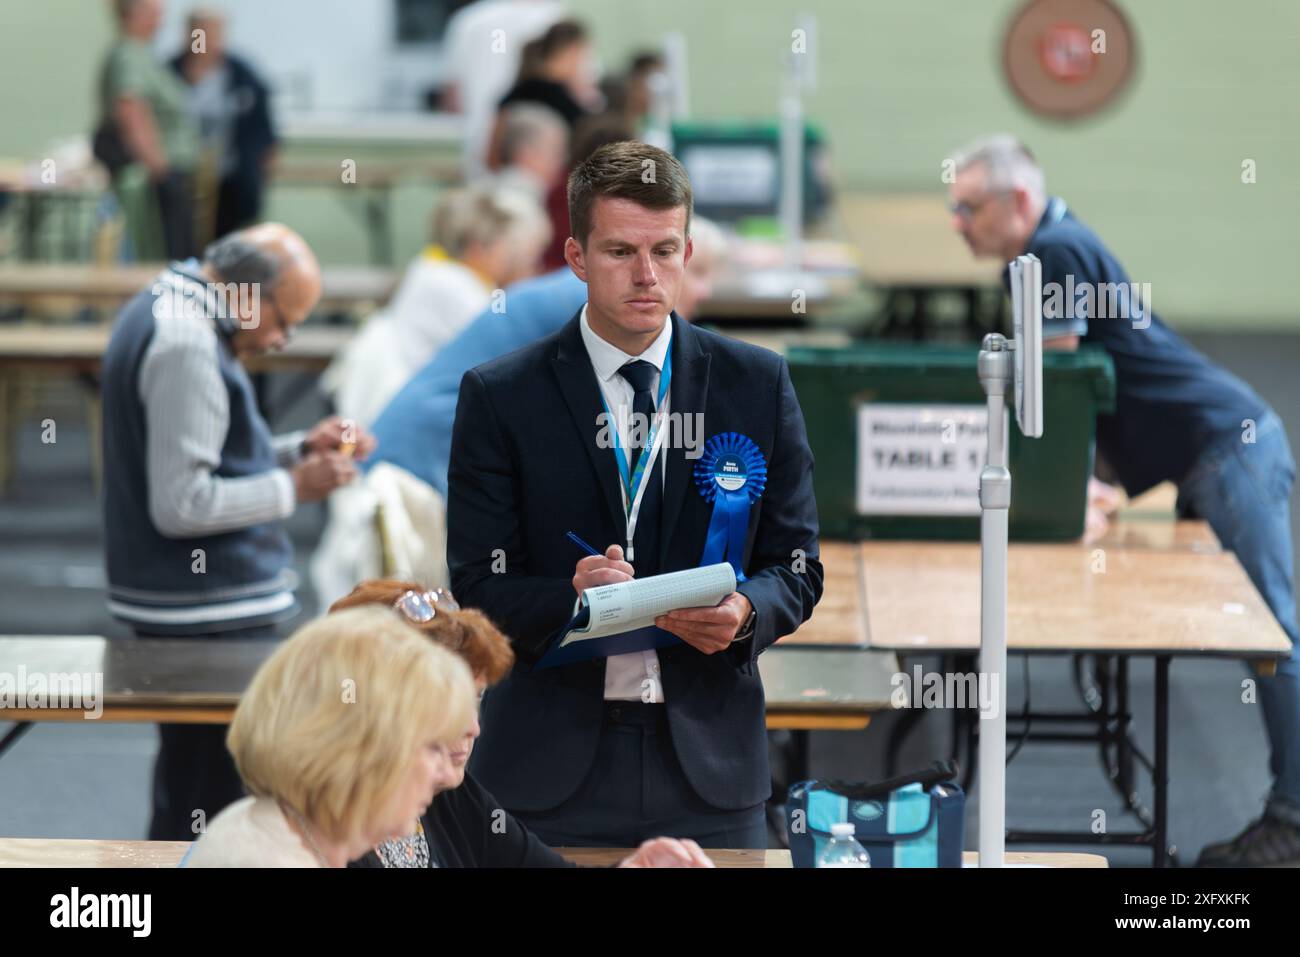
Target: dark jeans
(1243, 489)
(239, 203)
(175, 194)
(194, 776)
(636, 790)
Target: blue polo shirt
(1171, 402)
(414, 430)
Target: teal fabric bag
(902, 823)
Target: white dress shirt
(634, 676)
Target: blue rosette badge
(731, 475)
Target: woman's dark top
(547, 93)
(466, 827)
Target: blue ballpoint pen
(581, 544)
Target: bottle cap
(843, 829)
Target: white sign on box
(920, 459)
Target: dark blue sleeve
(485, 524)
(258, 132)
(1064, 313)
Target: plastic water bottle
(843, 849)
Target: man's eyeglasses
(286, 327)
(967, 210)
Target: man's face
(633, 264)
(214, 37)
(985, 218)
(277, 313)
(147, 15)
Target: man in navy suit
(669, 741)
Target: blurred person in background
(196, 487)
(484, 238)
(343, 738)
(232, 106)
(592, 133)
(534, 150)
(638, 97)
(555, 71)
(484, 42)
(1178, 418)
(147, 137)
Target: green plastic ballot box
(899, 435)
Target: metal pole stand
(996, 372)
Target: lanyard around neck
(632, 483)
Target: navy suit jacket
(526, 467)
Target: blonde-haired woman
(342, 739)
(465, 826)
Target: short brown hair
(536, 52)
(468, 632)
(618, 170)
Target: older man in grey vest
(196, 486)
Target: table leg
(889, 310)
(16, 732)
(8, 444)
(1123, 750)
(71, 232)
(974, 328)
(381, 238)
(1160, 773)
(31, 225)
(94, 428)
(971, 722)
(920, 315)
(1264, 667)
(798, 756)
(907, 720)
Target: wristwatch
(747, 629)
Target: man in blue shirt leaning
(1178, 418)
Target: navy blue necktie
(641, 376)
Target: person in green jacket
(145, 110)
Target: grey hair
(484, 213)
(707, 238)
(1007, 162)
(523, 124)
(235, 259)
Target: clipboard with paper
(619, 619)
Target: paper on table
(628, 606)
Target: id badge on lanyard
(632, 483)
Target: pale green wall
(902, 83)
(50, 53)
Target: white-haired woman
(342, 739)
(483, 238)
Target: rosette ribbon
(731, 475)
